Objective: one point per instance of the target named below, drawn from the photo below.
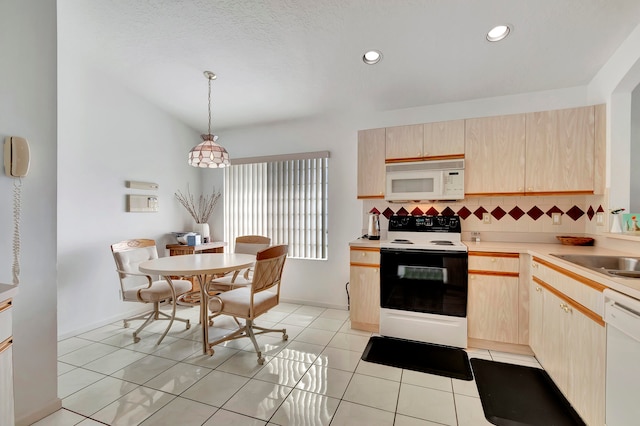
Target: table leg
(204, 312)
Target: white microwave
(425, 180)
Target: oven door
(428, 281)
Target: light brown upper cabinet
(405, 143)
(443, 140)
(561, 151)
(495, 155)
(430, 141)
(371, 169)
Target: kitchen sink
(617, 266)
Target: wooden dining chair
(250, 302)
(143, 288)
(246, 244)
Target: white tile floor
(314, 378)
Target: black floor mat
(418, 356)
(516, 395)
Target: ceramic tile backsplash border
(507, 214)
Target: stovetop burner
(441, 242)
(401, 241)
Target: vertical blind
(284, 198)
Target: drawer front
(5, 320)
(369, 257)
(497, 262)
(583, 293)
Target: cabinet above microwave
(425, 181)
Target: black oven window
(424, 281)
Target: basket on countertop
(575, 241)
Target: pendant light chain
(209, 78)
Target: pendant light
(208, 153)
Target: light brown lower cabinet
(570, 343)
(6, 364)
(364, 289)
(493, 303)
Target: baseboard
(499, 346)
(31, 418)
(314, 303)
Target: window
(281, 197)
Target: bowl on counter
(575, 241)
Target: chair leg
(171, 318)
(263, 330)
(252, 336)
(155, 314)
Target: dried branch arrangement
(200, 211)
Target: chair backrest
(129, 254)
(251, 244)
(268, 268)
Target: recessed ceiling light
(372, 57)
(498, 32)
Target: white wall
(28, 109)
(614, 83)
(108, 135)
(634, 196)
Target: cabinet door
(493, 308)
(495, 155)
(560, 150)
(444, 139)
(6, 386)
(371, 172)
(536, 316)
(554, 335)
(364, 289)
(405, 142)
(586, 350)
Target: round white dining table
(204, 266)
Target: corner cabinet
(371, 171)
(568, 336)
(561, 151)
(364, 288)
(6, 361)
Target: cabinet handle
(534, 265)
(567, 309)
(363, 254)
(538, 289)
(493, 259)
(530, 189)
(375, 270)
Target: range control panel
(425, 224)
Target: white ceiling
(284, 59)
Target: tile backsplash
(507, 214)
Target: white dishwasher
(622, 315)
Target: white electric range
(423, 280)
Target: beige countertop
(7, 291)
(628, 286)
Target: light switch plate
(486, 218)
(600, 218)
(556, 218)
(142, 203)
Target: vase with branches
(200, 209)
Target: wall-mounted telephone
(16, 156)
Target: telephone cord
(17, 192)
